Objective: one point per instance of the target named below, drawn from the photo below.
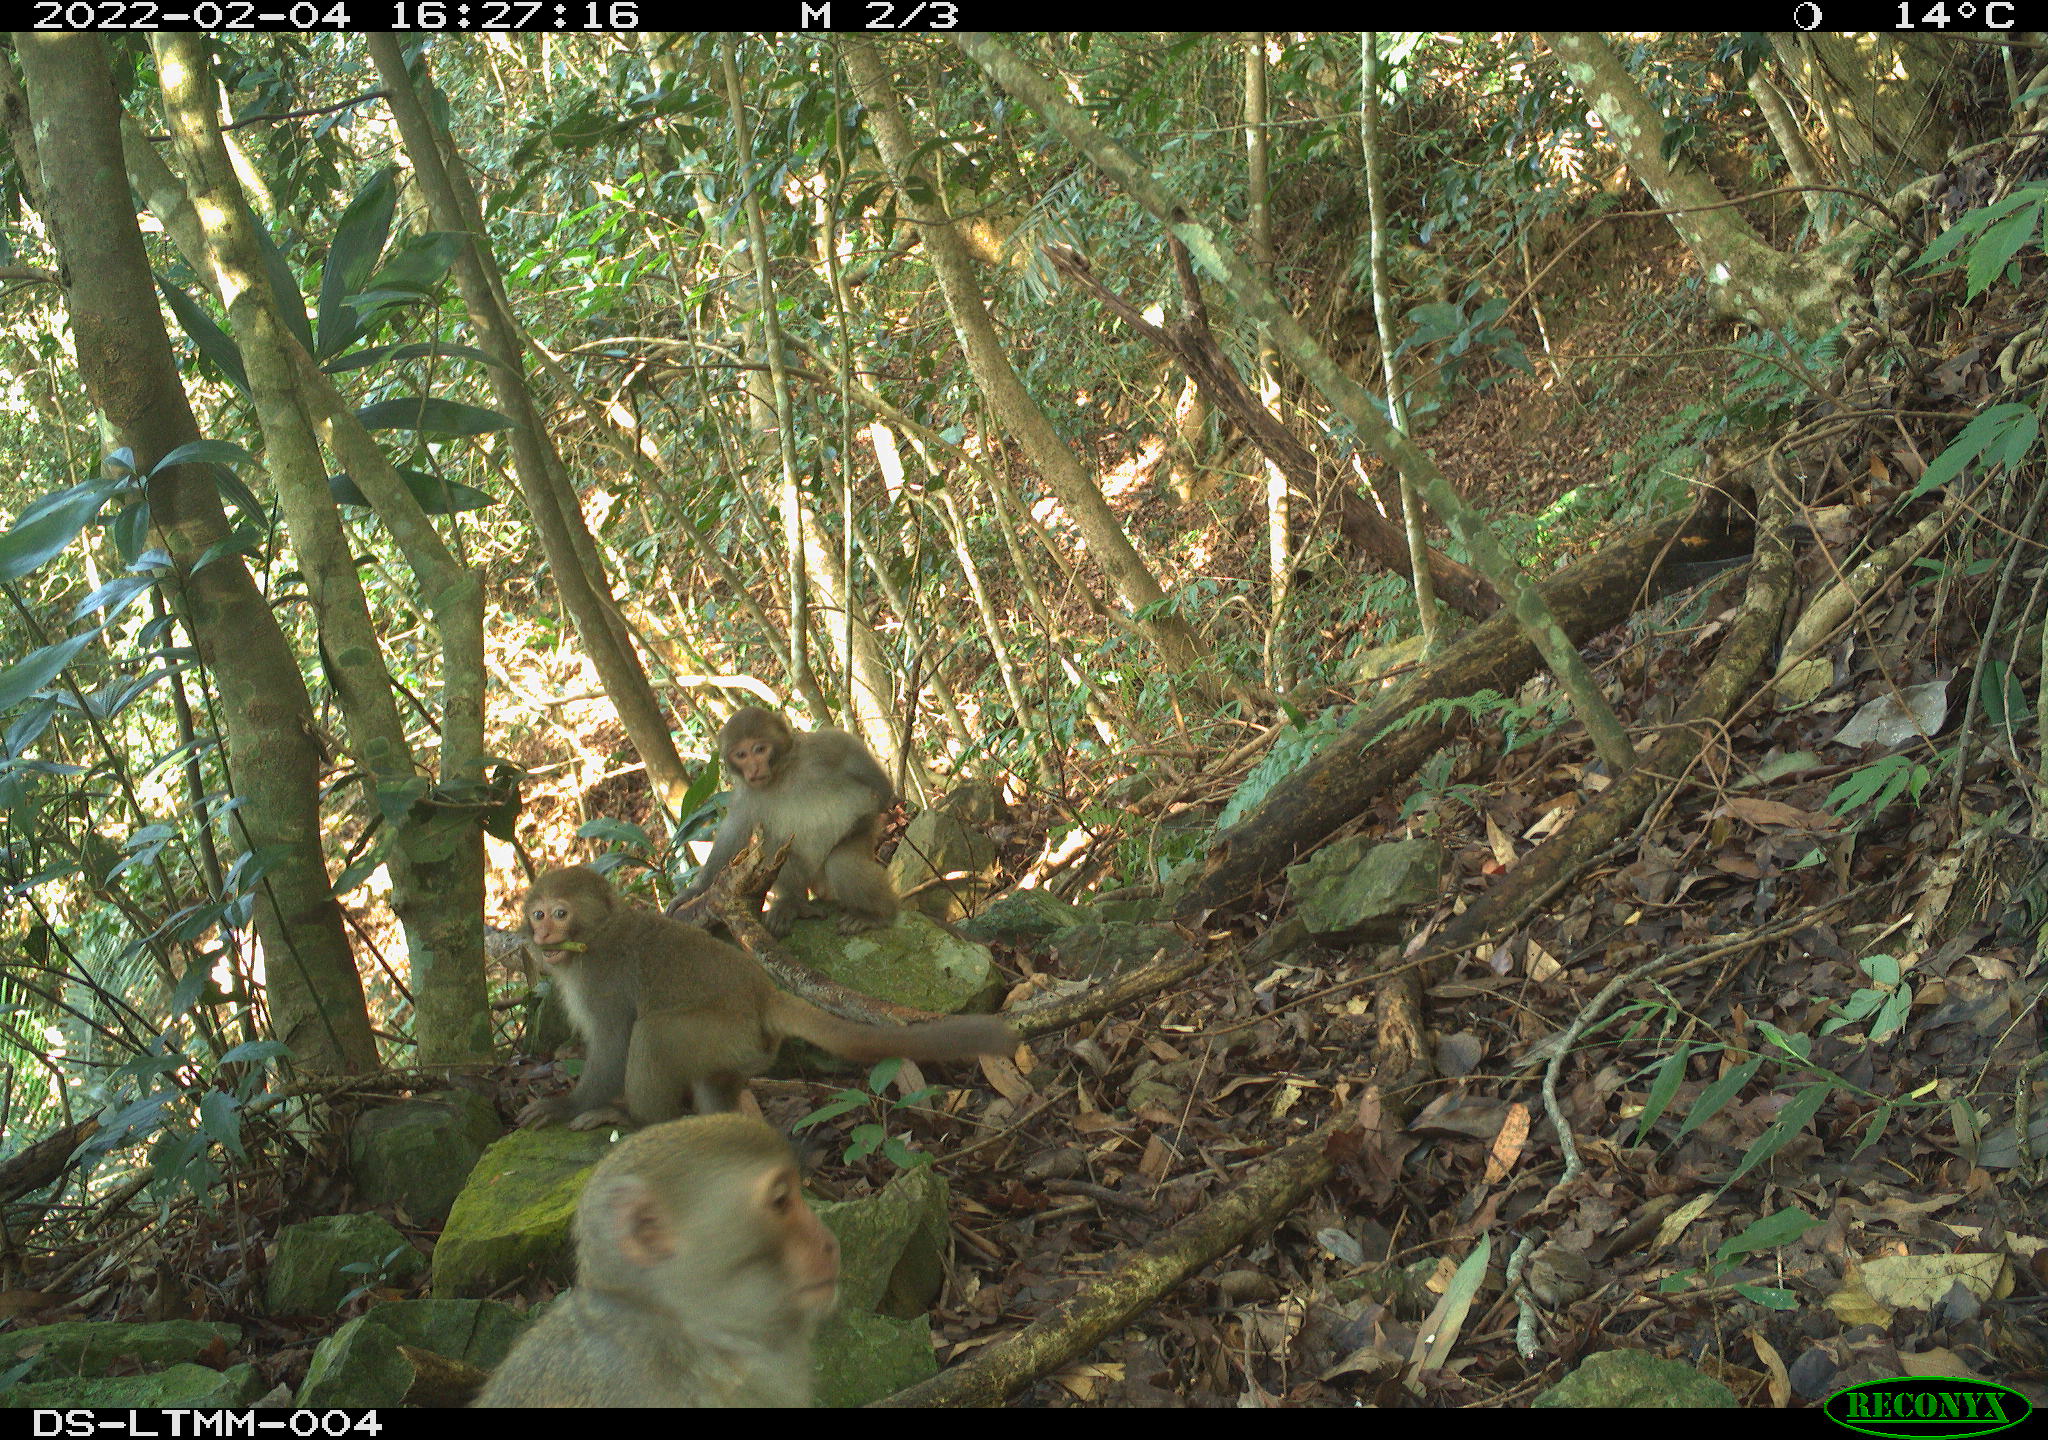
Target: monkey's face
(792, 1265)
(754, 759)
(810, 1251)
(553, 922)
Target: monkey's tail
(955, 1038)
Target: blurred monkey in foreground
(701, 1276)
(675, 1018)
(824, 794)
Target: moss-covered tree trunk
(1752, 279)
(125, 360)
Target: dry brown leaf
(1507, 1145)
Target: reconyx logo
(1927, 1407)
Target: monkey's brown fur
(824, 794)
(700, 1278)
(674, 1017)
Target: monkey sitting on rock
(824, 794)
(701, 1276)
(674, 1018)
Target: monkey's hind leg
(791, 902)
(659, 1072)
(697, 1058)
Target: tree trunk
(436, 853)
(1751, 279)
(125, 360)
(557, 518)
(1020, 413)
(1878, 96)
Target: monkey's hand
(547, 1112)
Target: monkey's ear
(641, 1221)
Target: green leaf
(225, 452)
(255, 1051)
(1791, 1120)
(1999, 244)
(2000, 693)
(359, 238)
(1892, 1018)
(432, 417)
(113, 597)
(213, 342)
(1874, 1129)
(831, 1110)
(1781, 1227)
(622, 833)
(2008, 432)
(23, 678)
(220, 1117)
(1771, 1297)
(1797, 1046)
(435, 495)
(1884, 969)
(413, 350)
(291, 304)
(1718, 1094)
(49, 525)
(1670, 1074)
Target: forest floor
(1703, 1104)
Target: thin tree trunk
(541, 476)
(1020, 414)
(1279, 537)
(1383, 317)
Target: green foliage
(1885, 1003)
(185, 1121)
(1996, 234)
(1878, 784)
(375, 1273)
(1887, 998)
(1468, 329)
(2002, 437)
(1434, 788)
(1778, 373)
(1771, 1231)
(1293, 748)
(872, 1137)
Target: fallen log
(1107, 1303)
(1580, 840)
(1363, 760)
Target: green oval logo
(1927, 1407)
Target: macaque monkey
(824, 794)
(700, 1278)
(674, 1018)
